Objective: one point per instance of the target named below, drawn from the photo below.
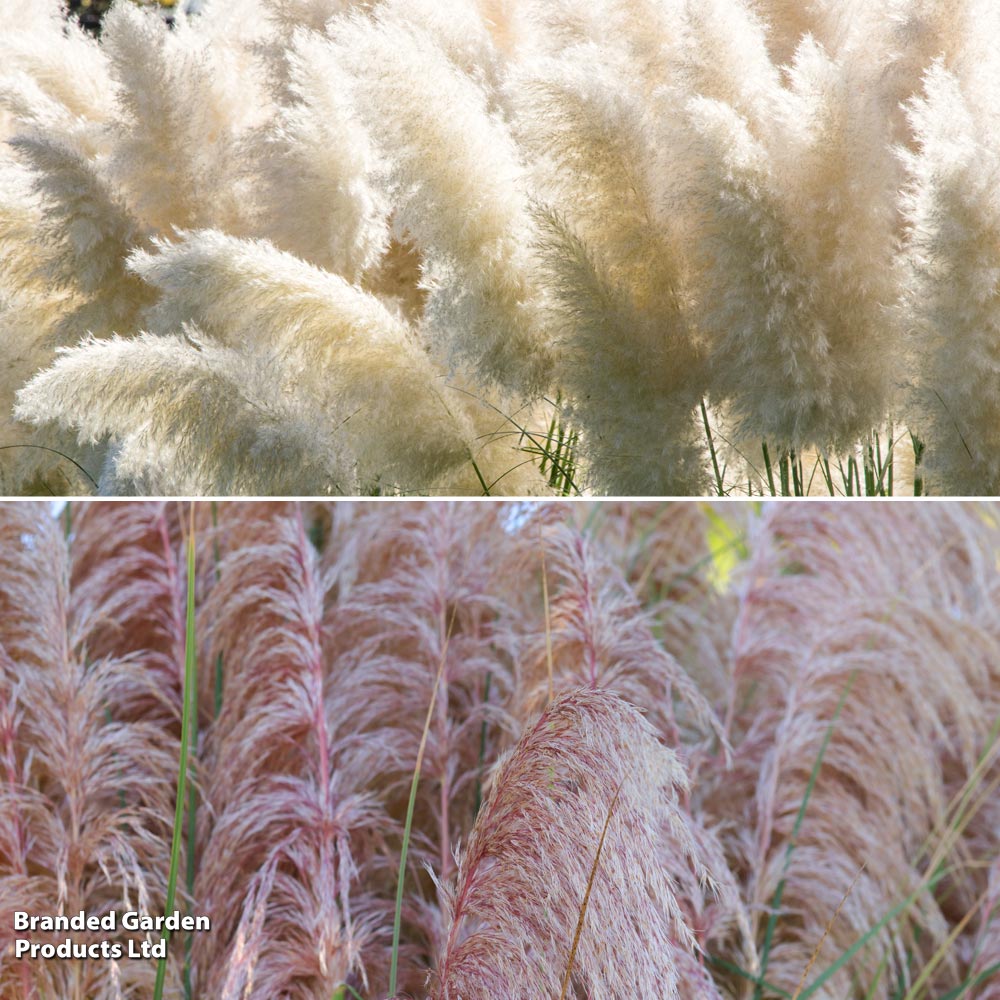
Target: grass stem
(586, 896)
(767, 466)
(397, 919)
(711, 450)
(772, 920)
(189, 700)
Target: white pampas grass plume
(188, 417)
(55, 56)
(798, 317)
(901, 48)
(720, 52)
(32, 309)
(590, 760)
(21, 216)
(186, 98)
(361, 366)
(953, 219)
(458, 187)
(637, 406)
(628, 361)
(463, 32)
(84, 237)
(315, 162)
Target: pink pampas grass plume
(525, 873)
(887, 603)
(128, 592)
(288, 834)
(601, 637)
(83, 792)
(425, 609)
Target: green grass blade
(479, 476)
(345, 990)
(192, 821)
(767, 466)
(862, 941)
(398, 915)
(217, 693)
(796, 464)
(190, 706)
(941, 953)
(192, 835)
(879, 972)
(727, 966)
(828, 477)
(918, 456)
(972, 982)
(772, 920)
(711, 449)
(397, 919)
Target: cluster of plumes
(890, 614)
(328, 247)
(324, 634)
(205, 271)
(617, 727)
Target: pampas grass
(730, 247)
(294, 816)
(85, 798)
(469, 751)
(513, 927)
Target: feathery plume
(524, 875)
(30, 312)
(463, 32)
(87, 234)
(430, 602)
(87, 792)
(353, 358)
(953, 221)
(719, 51)
(457, 188)
(798, 362)
(65, 64)
(127, 593)
(164, 400)
(600, 637)
(669, 553)
(186, 98)
(315, 162)
(282, 805)
(615, 278)
(854, 600)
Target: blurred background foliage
(90, 12)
